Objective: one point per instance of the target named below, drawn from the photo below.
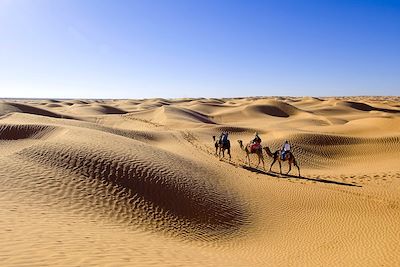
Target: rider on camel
(256, 139)
(285, 149)
(256, 142)
(223, 138)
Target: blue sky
(203, 48)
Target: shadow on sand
(277, 175)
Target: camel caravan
(254, 147)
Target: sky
(198, 48)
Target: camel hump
(254, 147)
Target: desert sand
(137, 183)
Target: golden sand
(137, 183)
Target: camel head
(240, 143)
(268, 151)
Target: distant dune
(137, 182)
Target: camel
(222, 147)
(248, 151)
(277, 157)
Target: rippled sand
(137, 183)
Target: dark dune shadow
(112, 110)
(38, 111)
(195, 115)
(366, 107)
(268, 110)
(277, 175)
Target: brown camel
(248, 151)
(222, 147)
(277, 157)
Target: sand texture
(137, 183)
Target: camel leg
(229, 153)
(295, 164)
(273, 162)
(290, 166)
(248, 158)
(280, 166)
(262, 159)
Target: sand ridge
(137, 182)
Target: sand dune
(94, 109)
(136, 182)
(6, 108)
(15, 132)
